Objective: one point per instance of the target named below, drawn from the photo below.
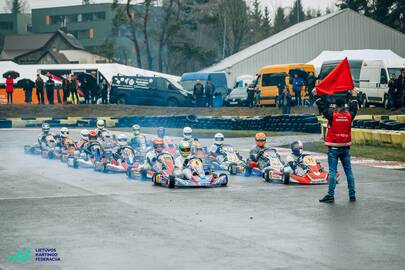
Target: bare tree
(145, 34)
(164, 36)
(16, 6)
(133, 37)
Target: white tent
(352, 55)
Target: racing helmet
(46, 128)
(161, 132)
(84, 134)
(158, 144)
(260, 139)
(100, 124)
(219, 139)
(122, 139)
(92, 135)
(187, 133)
(184, 149)
(136, 129)
(64, 132)
(297, 148)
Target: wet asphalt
(103, 221)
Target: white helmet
(122, 139)
(187, 133)
(136, 129)
(84, 134)
(100, 124)
(64, 132)
(219, 139)
(45, 128)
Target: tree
(296, 14)
(266, 24)
(16, 6)
(133, 21)
(356, 5)
(256, 21)
(147, 4)
(280, 22)
(86, 2)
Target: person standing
(209, 92)
(338, 141)
(9, 89)
(392, 91)
(85, 88)
(66, 89)
(280, 86)
(258, 93)
(39, 86)
(311, 81)
(400, 97)
(251, 95)
(73, 90)
(286, 101)
(28, 91)
(104, 92)
(50, 88)
(95, 91)
(297, 83)
(198, 94)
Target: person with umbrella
(73, 89)
(9, 89)
(50, 87)
(27, 85)
(39, 86)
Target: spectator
(39, 85)
(258, 93)
(86, 91)
(281, 86)
(66, 89)
(50, 88)
(338, 141)
(392, 91)
(251, 95)
(95, 91)
(286, 101)
(198, 94)
(311, 80)
(58, 86)
(209, 92)
(297, 83)
(28, 91)
(401, 89)
(73, 90)
(103, 86)
(9, 89)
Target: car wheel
(154, 181)
(232, 169)
(286, 179)
(121, 100)
(172, 182)
(266, 176)
(364, 101)
(226, 179)
(172, 102)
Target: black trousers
(49, 95)
(9, 97)
(40, 96)
(104, 97)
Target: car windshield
(176, 84)
(396, 71)
(189, 85)
(238, 91)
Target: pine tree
(280, 22)
(16, 6)
(266, 24)
(296, 14)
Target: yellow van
(270, 76)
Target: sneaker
(352, 198)
(327, 199)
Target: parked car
(237, 97)
(143, 90)
(188, 80)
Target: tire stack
(303, 123)
(383, 124)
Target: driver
(137, 140)
(122, 141)
(151, 156)
(256, 152)
(45, 133)
(64, 137)
(84, 139)
(102, 132)
(181, 162)
(295, 158)
(217, 148)
(188, 135)
(161, 132)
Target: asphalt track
(100, 221)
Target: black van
(142, 90)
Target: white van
(374, 77)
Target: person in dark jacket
(311, 81)
(198, 94)
(285, 101)
(50, 88)
(251, 90)
(104, 92)
(39, 86)
(392, 91)
(86, 91)
(66, 89)
(9, 89)
(280, 86)
(297, 84)
(28, 85)
(209, 92)
(73, 90)
(400, 97)
(338, 141)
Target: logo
(20, 256)
(26, 255)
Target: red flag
(339, 80)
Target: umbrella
(12, 73)
(89, 78)
(300, 72)
(24, 82)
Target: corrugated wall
(346, 31)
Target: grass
(378, 152)
(209, 133)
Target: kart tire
(248, 171)
(286, 179)
(172, 181)
(51, 155)
(232, 169)
(266, 176)
(129, 173)
(154, 180)
(226, 179)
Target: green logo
(20, 256)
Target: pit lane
(99, 221)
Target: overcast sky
(272, 4)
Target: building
(46, 48)
(302, 42)
(13, 24)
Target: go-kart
(109, 162)
(133, 168)
(49, 147)
(68, 150)
(166, 175)
(91, 153)
(229, 161)
(197, 150)
(308, 172)
(140, 148)
(269, 165)
(33, 149)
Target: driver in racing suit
(181, 162)
(217, 148)
(151, 156)
(84, 139)
(45, 133)
(188, 135)
(137, 139)
(102, 132)
(64, 138)
(295, 158)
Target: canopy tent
(352, 55)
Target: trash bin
(217, 101)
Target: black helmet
(297, 148)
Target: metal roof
(271, 41)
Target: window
(6, 25)
(99, 16)
(47, 20)
(80, 34)
(86, 17)
(56, 19)
(72, 18)
(270, 80)
(383, 77)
